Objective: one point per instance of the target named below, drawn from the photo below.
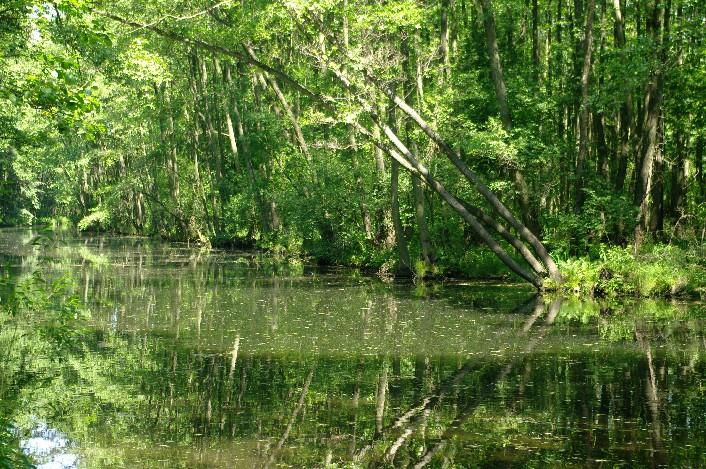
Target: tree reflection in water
(191, 359)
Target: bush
(657, 271)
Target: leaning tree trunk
(455, 158)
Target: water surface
(191, 358)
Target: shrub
(658, 270)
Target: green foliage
(172, 130)
(606, 218)
(11, 456)
(97, 218)
(657, 271)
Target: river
(188, 358)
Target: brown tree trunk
(585, 108)
(625, 114)
(649, 135)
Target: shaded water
(186, 358)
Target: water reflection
(193, 359)
(49, 448)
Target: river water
(185, 358)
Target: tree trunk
(444, 41)
(679, 176)
(657, 187)
(419, 211)
(699, 165)
(625, 114)
(205, 115)
(418, 191)
(365, 213)
(415, 167)
(585, 109)
(173, 161)
(602, 157)
(229, 120)
(649, 135)
(535, 40)
(495, 65)
(523, 196)
(405, 266)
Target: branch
(181, 18)
(197, 43)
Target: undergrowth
(655, 271)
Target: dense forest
(414, 137)
(352, 233)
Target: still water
(184, 358)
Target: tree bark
(602, 151)
(418, 191)
(625, 114)
(229, 120)
(649, 135)
(495, 64)
(420, 216)
(405, 264)
(657, 187)
(679, 176)
(290, 115)
(585, 108)
(365, 213)
(444, 41)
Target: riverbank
(655, 271)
